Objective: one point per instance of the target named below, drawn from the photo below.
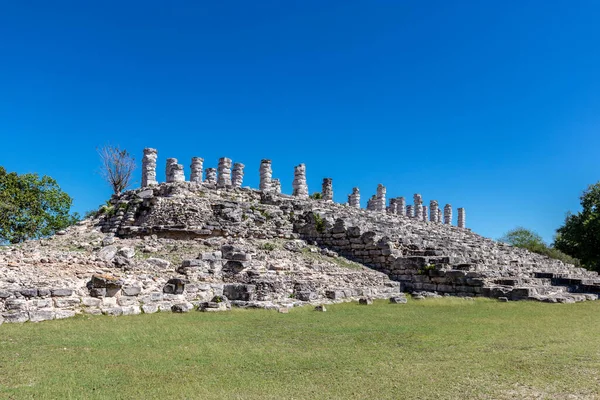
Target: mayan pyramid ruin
(209, 243)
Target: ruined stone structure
(276, 185)
(433, 210)
(418, 201)
(402, 206)
(224, 172)
(252, 248)
(424, 213)
(196, 169)
(174, 171)
(327, 189)
(393, 207)
(380, 198)
(149, 167)
(354, 198)
(237, 175)
(448, 214)
(266, 174)
(300, 189)
(461, 218)
(211, 176)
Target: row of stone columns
(224, 176)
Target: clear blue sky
(489, 105)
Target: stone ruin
(263, 248)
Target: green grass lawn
(432, 349)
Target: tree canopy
(527, 239)
(31, 207)
(580, 234)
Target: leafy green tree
(580, 235)
(31, 207)
(527, 239)
(524, 238)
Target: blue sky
(492, 106)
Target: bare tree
(117, 167)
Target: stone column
(327, 189)
(276, 186)
(238, 174)
(462, 218)
(439, 216)
(149, 167)
(381, 202)
(448, 214)
(299, 183)
(196, 169)
(265, 175)
(424, 213)
(174, 171)
(402, 206)
(354, 198)
(211, 175)
(224, 172)
(393, 208)
(418, 200)
(410, 211)
(433, 210)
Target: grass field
(432, 349)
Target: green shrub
(319, 223)
(268, 246)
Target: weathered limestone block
(67, 302)
(196, 169)
(398, 300)
(424, 213)
(462, 218)
(62, 314)
(238, 174)
(410, 213)
(300, 188)
(131, 310)
(174, 171)
(150, 308)
(238, 291)
(448, 214)
(211, 175)
(15, 316)
(266, 174)
(62, 292)
(175, 286)
(327, 189)
(41, 315)
(224, 172)
(433, 210)
(182, 307)
(354, 198)
(439, 216)
(149, 167)
(104, 286)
